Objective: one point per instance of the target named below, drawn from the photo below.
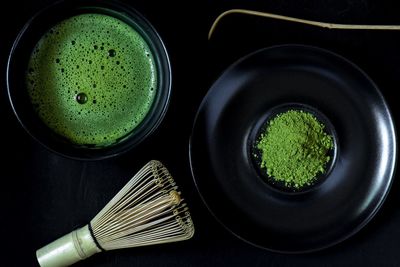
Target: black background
(44, 195)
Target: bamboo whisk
(148, 210)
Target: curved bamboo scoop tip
(301, 21)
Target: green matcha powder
(294, 148)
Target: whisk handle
(69, 249)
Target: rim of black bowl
(17, 64)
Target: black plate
(275, 219)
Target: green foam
(104, 61)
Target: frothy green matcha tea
(92, 79)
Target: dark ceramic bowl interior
(18, 62)
(255, 155)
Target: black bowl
(255, 154)
(264, 215)
(18, 63)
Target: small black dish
(255, 154)
(352, 191)
(18, 63)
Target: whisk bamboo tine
(148, 210)
(131, 195)
(126, 222)
(168, 231)
(122, 194)
(119, 215)
(139, 220)
(133, 198)
(137, 228)
(114, 211)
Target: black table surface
(44, 195)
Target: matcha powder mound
(294, 148)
